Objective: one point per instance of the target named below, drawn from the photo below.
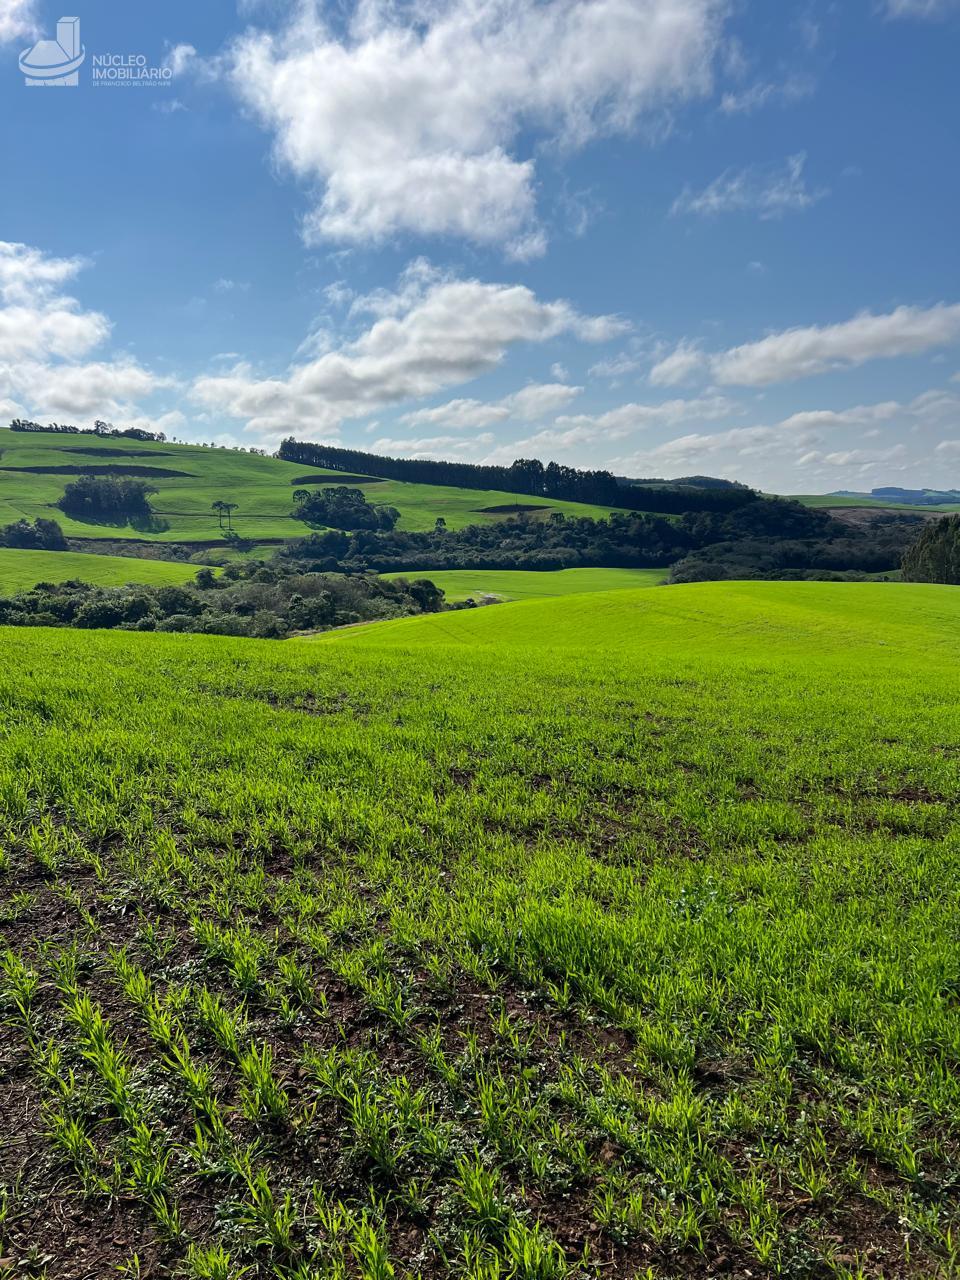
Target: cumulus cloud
(433, 332)
(932, 406)
(699, 446)
(768, 192)
(412, 118)
(530, 404)
(685, 360)
(432, 447)
(46, 339)
(18, 19)
(570, 431)
(801, 353)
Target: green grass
(832, 500)
(522, 584)
(262, 487)
(612, 935)
(20, 570)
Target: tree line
(747, 538)
(98, 429)
(528, 476)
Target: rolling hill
(20, 570)
(524, 584)
(34, 467)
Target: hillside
(20, 570)
(586, 937)
(34, 467)
(835, 501)
(524, 584)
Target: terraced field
(20, 570)
(34, 468)
(612, 935)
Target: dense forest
(528, 476)
(742, 543)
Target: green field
(20, 570)
(523, 584)
(262, 488)
(612, 935)
(831, 500)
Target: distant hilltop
(892, 493)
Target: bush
(42, 535)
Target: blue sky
(663, 236)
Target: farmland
(832, 501)
(35, 467)
(605, 935)
(524, 584)
(20, 570)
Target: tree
(224, 509)
(341, 507)
(935, 556)
(440, 525)
(107, 498)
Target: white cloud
(569, 431)
(410, 118)
(45, 338)
(181, 58)
(433, 332)
(767, 93)
(931, 406)
(864, 458)
(18, 19)
(948, 448)
(560, 373)
(529, 404)
(536, 401)
(802, 353)
(615, 367)
(457, 415)
(769, 192)
(685, 360)
(435, 446)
